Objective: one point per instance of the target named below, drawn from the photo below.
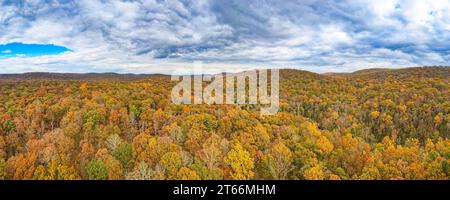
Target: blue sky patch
(30, 50)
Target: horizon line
(293, 68)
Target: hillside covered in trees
(371, 124)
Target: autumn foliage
(371, 124)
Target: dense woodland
(371, 124)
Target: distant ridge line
(113, 75)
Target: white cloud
(158, 36)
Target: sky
(160, 36)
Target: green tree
(124, 154)
(96, 170)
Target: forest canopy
(371, 124)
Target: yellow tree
(171, 162)
(2, 169)
(56, 171)
(314, 173)
(2, 146)
(187, 174)
(240, 162)
(279, 161)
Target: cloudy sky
(157, 36)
